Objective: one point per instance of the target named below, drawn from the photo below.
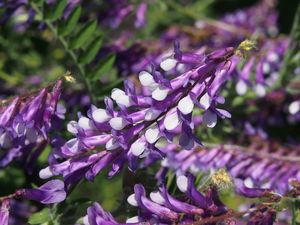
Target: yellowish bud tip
(69, 78)
(245, 47)
(221, 179)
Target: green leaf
(38, 2)
(297, 216)
(47, 11)
(84, 35)
(67, 27)
(40, 217)
(59, 9)
(104, 67)
(90, 53)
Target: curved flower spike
(160, 208)
(256, 169)
(163, 110)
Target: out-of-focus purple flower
(241, 189)
(70, 6)
(19, 212)
(140, 15)
(10, 7)
(261, 17)
(266, 215)
(25, 122)
(50, 192)
(163, 110)
(261, 72)
(114, 12)
(234, 27)
(4, 212)
(261, 167)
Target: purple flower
(25, 123)
(114, 12)
(265, 67)
(159, 208)
(249, 192)
(4, 212)
(19, 212)
(140, 15)
(261, 17)
(152, 207)
(97, 216)
(50, 192)
(162, 110)
(260, 167)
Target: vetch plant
(170, 115)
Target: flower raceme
(162, 110)
(254, 166)
(113, 15)
(163, 208)
(25, 122)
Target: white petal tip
(241, 88)
(131, 200)
(182, 183)
(146, 79)
(160, 93)
(157, 197)
(117, 123)
(152, 134)
(186, 105)
(171, 121)
(168, 64)
(134, 219)
(45, 173)
(138, 147)
(294, 107)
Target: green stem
(71, 53)
(288, 65)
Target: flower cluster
(162, 208)
(260, 165)
(260, 70)
(265, 67)
(193, 206)
(25, 122)
(111, 14)
(259, 20)
(163, 109)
